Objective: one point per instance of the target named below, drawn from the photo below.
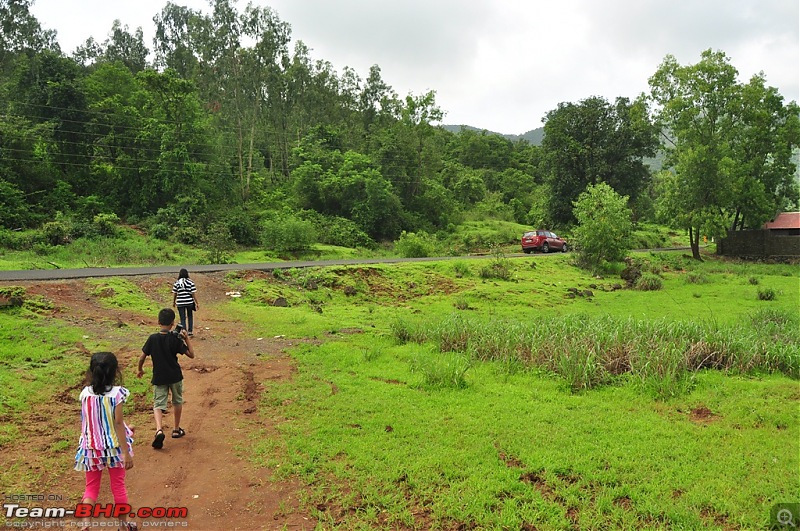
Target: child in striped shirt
(184, 298)
(106, 442)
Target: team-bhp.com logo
(87, 510)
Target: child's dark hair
(103, 372)
(183, 273)
(166, 317)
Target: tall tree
(592, 142)
(729, 146)
(21, 31)
(126, 47)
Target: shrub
(84, 229)
(106, 224)
(14, 211)
(242, 227)
(188, 234)
(461, 303)
(287, 235)
(19, 240)
(56, 232)
(766, 294)
(753, 281)
(218, 242)
(604, 225)
(649, 282)
(500, 268)
(160, 231)
(345, 233)
(461, 269)
(415, 245)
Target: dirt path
(207, 471)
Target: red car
(542, 240)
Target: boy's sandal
(177, 433)
(158, 442)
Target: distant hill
(534, 136)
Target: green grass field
(434, 398)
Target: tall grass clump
(499, 268)
(580, 367)
(407, 332)
(697, 277)
(661, 355)
(461, 269)
(441, 370)
(649, 282)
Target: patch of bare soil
(702, 415)
(208, 471)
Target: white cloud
(502, 64)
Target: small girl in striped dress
(106, 442)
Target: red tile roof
(785, 220)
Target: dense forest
(224, 125)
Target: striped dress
(99, 446)
(184, 288)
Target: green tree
(592, 142)
(126, 47)
(728, 144)
(21, 31)
(604, 225)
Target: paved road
(88, 272)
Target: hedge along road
(92, 272)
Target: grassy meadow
(502, 393)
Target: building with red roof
(787, 223)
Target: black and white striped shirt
(184, 288)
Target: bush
(604, 226)
(14, 211)
(649, 282)
(106, 224)
(19, 240)
(84, 229)
(499, 268)
(160, 231)
(243, 227)
(415, 245)
(461, 269)
(189, 234)
(218, 242)
(288, 235)
(56, 232)
(766, 294)
(336, 230)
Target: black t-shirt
(164, 350)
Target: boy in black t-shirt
(163, 348)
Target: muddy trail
(208, 471)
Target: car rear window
(529, 234)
